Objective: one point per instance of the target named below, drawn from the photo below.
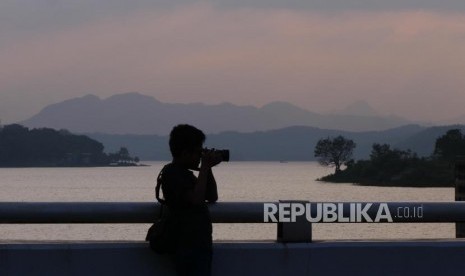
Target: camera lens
(225, 155)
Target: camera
(224, 153)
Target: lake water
(237, 181)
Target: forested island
(393, 167)
(45, 147)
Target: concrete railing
(221, 212)
(228, 212)
(301, 257)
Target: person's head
(186, 144)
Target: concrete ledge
(439, 257)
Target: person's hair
(185, 138)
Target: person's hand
(210, 158)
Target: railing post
(460, 193)
(298, 231)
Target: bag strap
(157, 188)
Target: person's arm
(198, 195)
(212, 191)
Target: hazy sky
(402, 57)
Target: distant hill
(456, 120)
(133, 113)
(289, 144)
(423, 142)
(46, 147)
(23, 147)
(359, 108)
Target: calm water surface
(237, 181)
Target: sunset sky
(405, 58)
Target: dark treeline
(394, 167)
(45, 147)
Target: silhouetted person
(186, 196)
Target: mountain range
(289, 144)
(134, 113)
(276, 131)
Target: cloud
(403, 62)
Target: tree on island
(394, 167)
(449, 146)
(334, 152)
(122, 157)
